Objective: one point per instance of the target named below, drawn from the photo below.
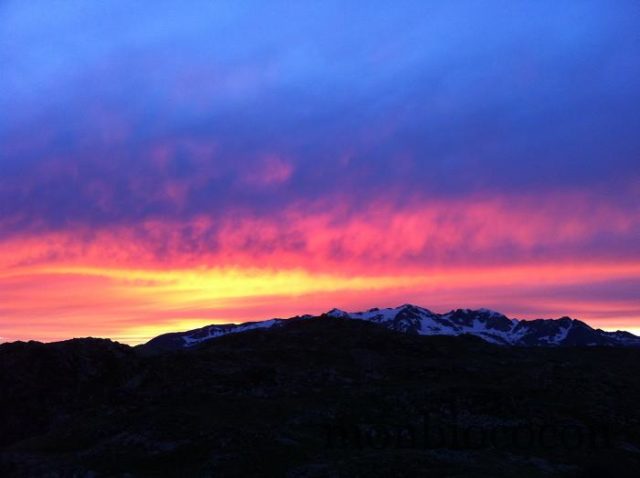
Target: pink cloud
(271, 170)
(152, 276)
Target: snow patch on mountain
(214, 331)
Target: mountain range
(491, 326)
(320, 397)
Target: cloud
(270, 170)
(330, 233)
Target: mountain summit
(491, 326)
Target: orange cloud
(133, 282)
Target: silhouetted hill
(319, 397)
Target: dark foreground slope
(315, 398)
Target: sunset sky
(168, 165)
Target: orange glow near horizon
(133, 283)
(133, 305)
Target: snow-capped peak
(338, 314)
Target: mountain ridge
(308, 399)
(489, 325)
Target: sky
(168, 165)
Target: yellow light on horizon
(134, 305)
